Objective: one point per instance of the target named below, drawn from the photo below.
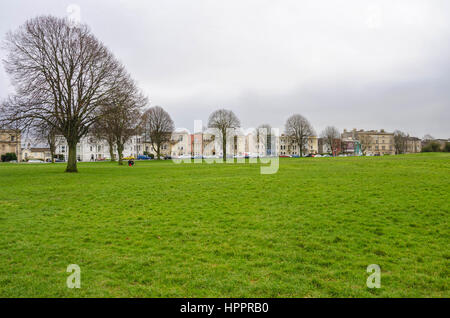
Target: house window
(12, 138)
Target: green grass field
(224, 230)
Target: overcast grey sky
(349, 63)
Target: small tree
(427, 138)
(47, 133)
(331, 136)
(223, 120)
(101, 131)
(120, 118)
(158, 128)
(365, 141)
(400, 142)
(299, 129)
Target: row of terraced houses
(183, 143)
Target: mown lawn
(224, 230)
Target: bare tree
(331, 138)
(62, 75)
(427, 138)
(299, 129)
(120, 118)
(47, 133)
(223, 120)
(158, 128)
(400, 142)
(100, 130)
(365, 141)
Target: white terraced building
(92, 149)
(182, 144)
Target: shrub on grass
(10, 156)
(432, 147)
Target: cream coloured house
(413, 145)
(10, 142)
(287, 146)
(373, 142)
(180, 144)
(36, 153)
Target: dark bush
(148, 154)
(9, 157)
(432, 147)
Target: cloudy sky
(349, 63)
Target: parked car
(212, 157)
(184, 157)
(129, 158)
(253, 155)
(167, 157)
(285, 156)
(144, 158)
(35, 161)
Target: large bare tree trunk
(52, 154)
(111, 154)
(111, 150)
(72, 162)
(158, 151)
(224, 146)
(52, 145)
(120, 153)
